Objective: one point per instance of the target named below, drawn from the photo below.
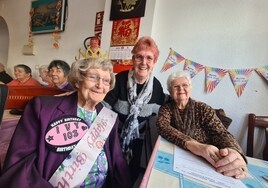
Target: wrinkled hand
(209, 152)
(226, 161)
(231, 163)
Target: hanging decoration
(213, 75)
(239, 79)
(192, 67)
(30, 37)
(56, 34)
(173, 59)
(263, 71)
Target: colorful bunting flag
(213, 77)
(240, 78)
(263, 71)
(172, 59)
(192, 67)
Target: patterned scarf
(131, 126)
(184, 121)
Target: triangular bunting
(240, 78)
(263, 71)
(172, 59)
(192, 67)
(213, 77)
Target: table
(7, 127)
(159, 174)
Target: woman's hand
(226, 161)
(209, 152)
(231, 163)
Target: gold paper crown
(86, 54)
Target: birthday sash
(74, 169)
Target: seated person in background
(194, 126)
(44, 75)
(23, 75)
(59, 71)
(43, 150)
(137, 96)
(4, 77)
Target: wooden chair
(261, 122)
(19, 96)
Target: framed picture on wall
(127, 9)
(48, 16)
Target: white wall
(224, 34)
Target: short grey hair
(176, 75)
(79, 69)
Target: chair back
(226, 121)
(19, 96)
(261, 122)
(3, 98)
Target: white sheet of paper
(191, 165)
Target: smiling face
(143, 64)
(93, 88)
(57, 75)
(180, 91)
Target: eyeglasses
(140, 58)
(95, 78)
(184, 86)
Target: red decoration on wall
(125, 32)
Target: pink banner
(263, 71)
(192, 67)
(239, 79)
(173, 59)
(213, 77)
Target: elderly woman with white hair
(69, 141)
(194, 126)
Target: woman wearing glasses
(137, 96)
(69, 141)
(194, 126)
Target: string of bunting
(213, 76)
